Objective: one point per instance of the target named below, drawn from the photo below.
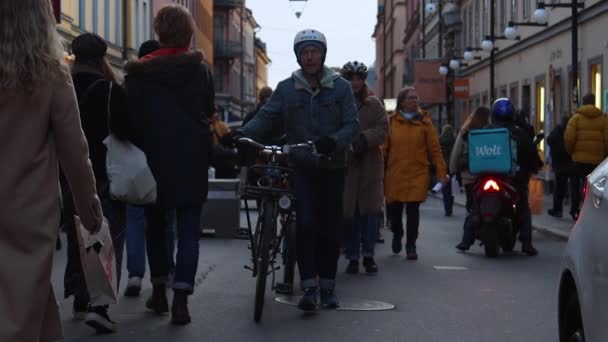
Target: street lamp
(454, 64)
(443, 70)
(431, 8)
(541, 16)
(487, 44)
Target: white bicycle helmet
(309, 36)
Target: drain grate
(346, 304)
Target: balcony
(228, 3)
(228, 49)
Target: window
(514, 12)
(484, 19)
(514, 96)
(471, 32)
(82, 14)
(106, 19)
(465, 28)
(526, 9)
(117, 23)
(477, 17)
(503, 15)
(137, 37)
(570, 90)
(95, 16)
(540, 109)
(596, 83)
(146, 28)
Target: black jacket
(170, 100)
(560, 159)
(92, 93)
(528, 160)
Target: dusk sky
(347, 24)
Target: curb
(556, 233)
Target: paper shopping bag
(536, 196)
(98, 264)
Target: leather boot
(179, 310)
(158, 302)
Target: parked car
(583, 287)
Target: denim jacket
(308, 115)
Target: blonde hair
(31, 47)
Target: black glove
(360, 146)
(234, 136)
(326, 145)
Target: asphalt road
(512, 298)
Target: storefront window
(596, 83)
(571, 99)
(540, 109)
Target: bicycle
(271, 185)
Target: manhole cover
(346, 304)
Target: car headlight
(284, 202)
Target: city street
(512, 298)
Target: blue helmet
(502, 110)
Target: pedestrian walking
(98, 91)
(446, 141)
(562, 166)
(171, 98)
(316, 105)
(39, 127)
(412, 140)
(459, 162)
(364, 193)
(586, 139)
(135, 229)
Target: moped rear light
(491, 186)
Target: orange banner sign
(461, 88)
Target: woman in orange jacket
(411, 142)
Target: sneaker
(554, 213)
(79, 309)
(370, 266)
(308, 302)
(353, 267)
(180, 315)
(463, 246)
(528, 249)
(98, 319)
(329, 299)
(133, 287)
(411, 253)
(396, 245)
(380, 238)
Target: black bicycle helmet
(354, 68)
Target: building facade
(261, 65)
(236, 60)
(389, 34)
(535, 71)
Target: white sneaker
(133, 287)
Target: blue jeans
(362, 241)
(136, 237)
(188, 233)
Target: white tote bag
(131, 180)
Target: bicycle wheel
(267, 232)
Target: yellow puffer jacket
(586, 136)
(410, 147)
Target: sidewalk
(557, 227)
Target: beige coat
(35, 132)
(364, 177)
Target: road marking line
(450, 268)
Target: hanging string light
(298, 6)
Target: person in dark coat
(93, 81)
(562, 165)
(447, 140)
(171, 98)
